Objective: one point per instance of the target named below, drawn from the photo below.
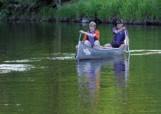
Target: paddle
(79, 40)
(77, 46)
(127, 41)
(79, 37)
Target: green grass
(105, 9)
(129, 10)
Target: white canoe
(85, 52)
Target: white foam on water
(54, 56)
(7, 68)
(61, 58)
(22, 61)
(12, 104)
(63, 54)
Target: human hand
(81, 31)
(124, 28)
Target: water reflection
(89, 75)
(121, 69)
(89, 83)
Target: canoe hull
(85, 52)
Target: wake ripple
(7, 68)
(142, 52)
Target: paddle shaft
(127, 41)
(79, 37)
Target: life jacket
(119, 38)
(92, 39)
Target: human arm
(88, 34)
(96, 34)
(114, 30)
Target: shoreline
(37, 19)
(82, 11)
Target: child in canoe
(118, 35)
(92, 36)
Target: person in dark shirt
(118, 35)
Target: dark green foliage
(129, 10)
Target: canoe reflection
(89, 83)
(121, 69)
(89, 70)
(89, 74)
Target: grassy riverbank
(132, 11)
(105, 10)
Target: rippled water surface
(39, 73)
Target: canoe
(86, 52)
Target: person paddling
(118, 35)
(92, 36)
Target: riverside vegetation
(132, 11)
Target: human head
(120, 24)
(92, 26)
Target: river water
(39, 73)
